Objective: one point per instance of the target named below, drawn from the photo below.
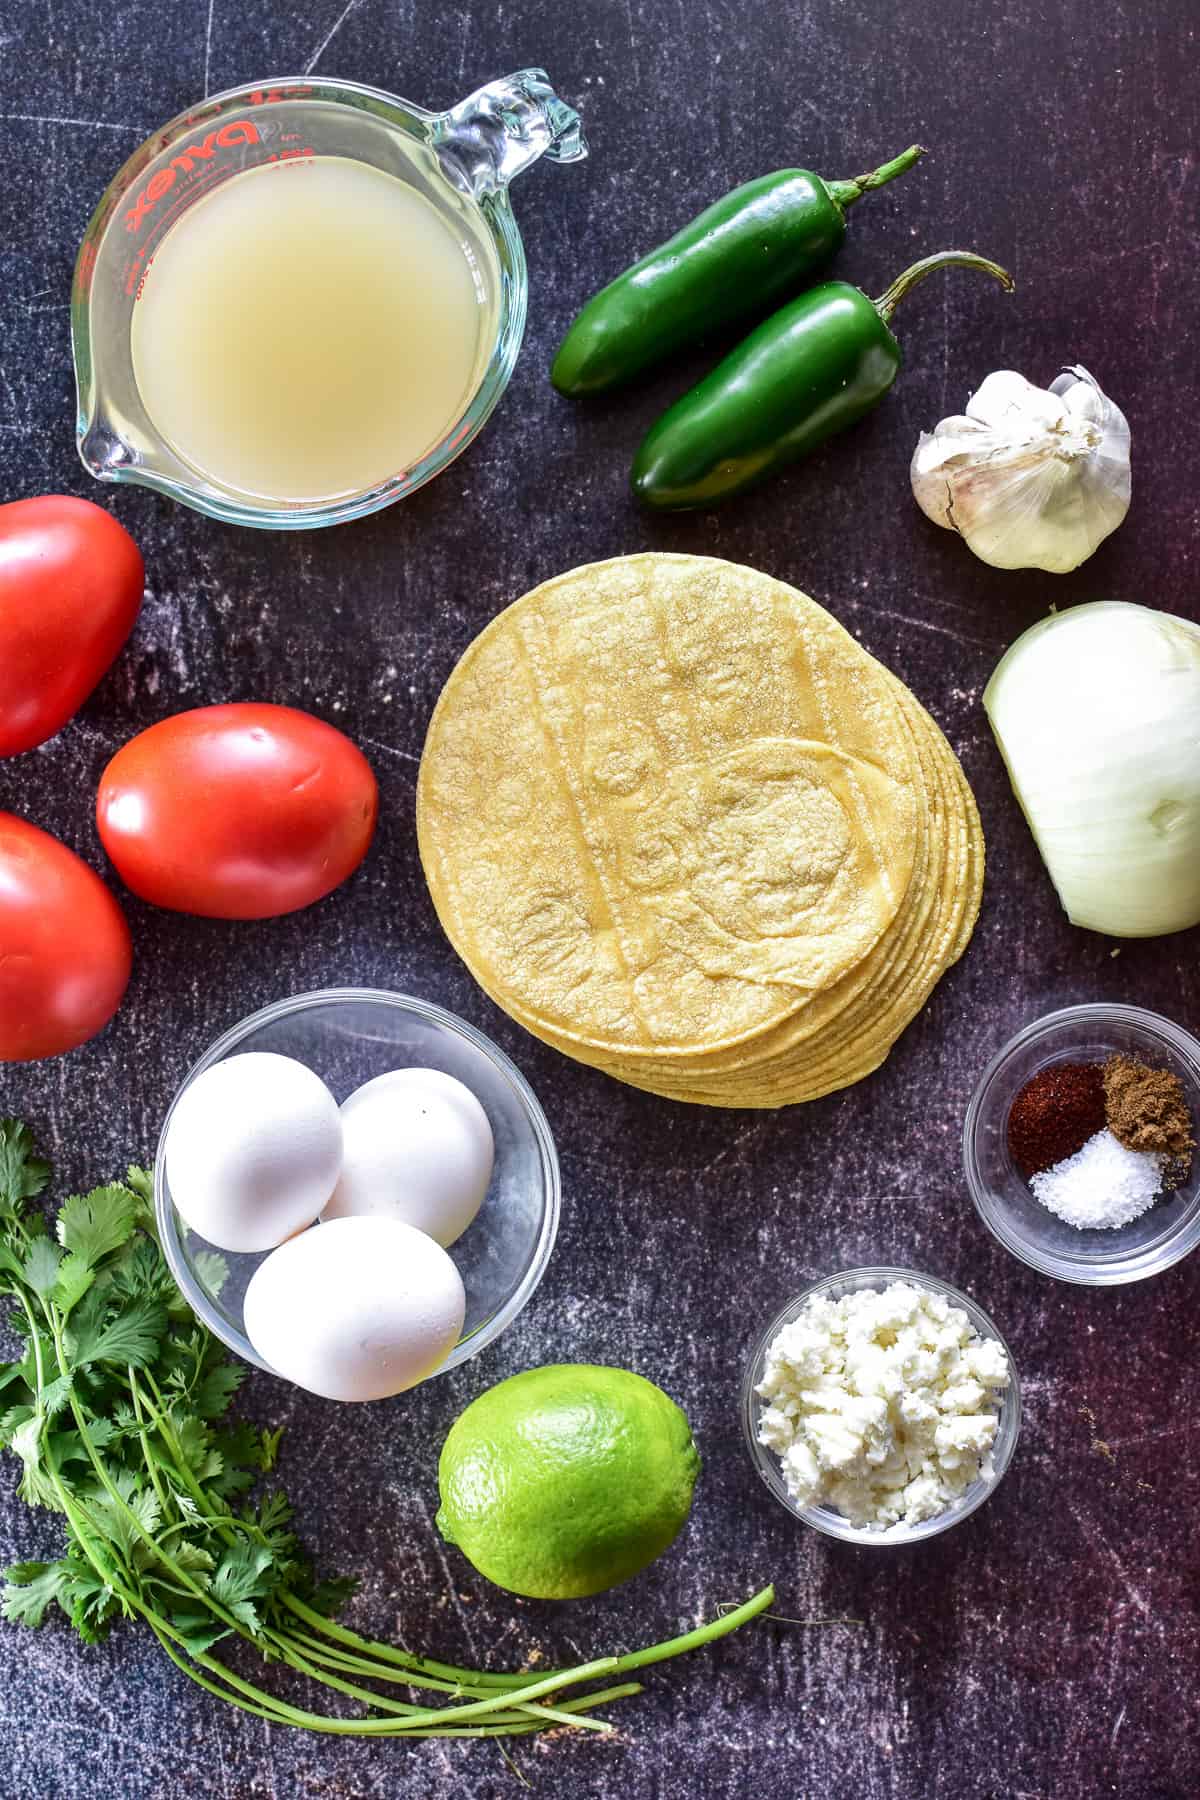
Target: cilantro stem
(392, 1727)
(418, 1722)
(275, 1715)
(495, 1703)
(300, 1662)
(381, 1671)
(150, 1459)
(35, 1338)
(402, 1666)
(400, 1659)
(559, 1715)
(703, 1634)
(331, 1658)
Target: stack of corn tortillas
(681, 826)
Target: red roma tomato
(70, 590)
(237, 812)
(65, 954)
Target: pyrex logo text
(238, 131)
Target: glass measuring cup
(461, 161)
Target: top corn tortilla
(828, 1017)
(860, 1019)
(666, 801)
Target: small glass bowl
(825, 1518)
(348, 1036)
(1003, 1197)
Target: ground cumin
(1147, 1110)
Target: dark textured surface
(1048, 1647)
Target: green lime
(567, 1479)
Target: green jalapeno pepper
(810, 370)
(736, 261)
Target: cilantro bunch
(116, 1410)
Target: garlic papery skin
(1032, 478)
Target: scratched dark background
(1046, 1648)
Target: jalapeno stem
(888, 301)
(847, 192)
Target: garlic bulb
(1032, 478)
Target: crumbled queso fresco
(882, 1405)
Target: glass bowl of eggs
(356, 1190)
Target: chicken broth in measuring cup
(312, 328)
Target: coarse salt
(1103, 1186)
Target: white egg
(417, 1147)
(356, 1309)
(253, 1150)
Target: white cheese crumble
(882, 1405)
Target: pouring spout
(492, 135)
(104, 454)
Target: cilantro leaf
(36, 1485)
(123, 1420)
(273, 1515)
(195, 1442)
(240, 1445)
(141, 1183)
(93, 1225)
(66, 1448)
(230, 1481)
(212, 1394)
(16, 1416)
(131, 1336)
(75, 1277)
(328, 1597)
(211, 1269)
(40, 1268)
(55, 1395)
(193, 1556)
(199, 1631)
(15, 1375)
(243, 1576)
(113, 1513)
(140, 1272)
(22, 1174)
(101, 1432)
(88, 1601)
(30, 1588)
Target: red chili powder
(1055, 1114)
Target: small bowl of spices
(1080, 1144)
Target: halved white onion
(1097, 714)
